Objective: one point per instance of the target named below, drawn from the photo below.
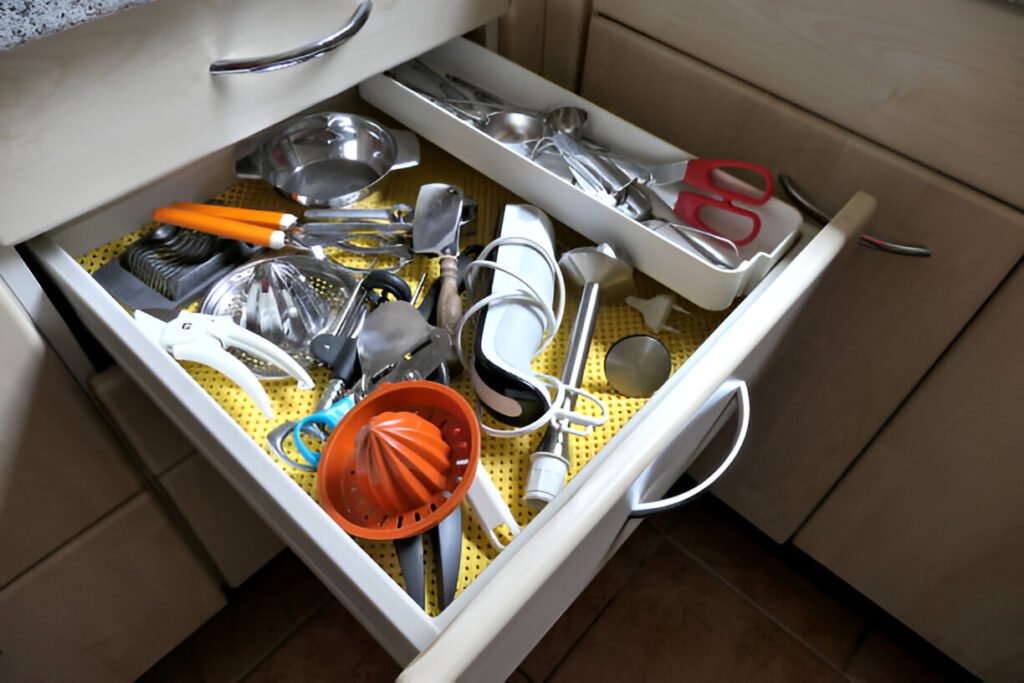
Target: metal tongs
(370, 232)
(375, 232)
(204, 339)
(365, 231)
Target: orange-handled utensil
(271, 219)
(222, 227)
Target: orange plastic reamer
(400, 461)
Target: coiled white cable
(553, 321)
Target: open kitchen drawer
(497, 618)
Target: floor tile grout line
(525, 675)
(858, 643)
(288, 636)
(753, 603)
(585, 631)
(639, 565)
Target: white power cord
(553, 320)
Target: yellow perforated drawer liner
(507, 460)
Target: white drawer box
(100, 110)
(523, 591)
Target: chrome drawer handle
(730, 393)
(283, 60)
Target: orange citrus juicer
(400, 461)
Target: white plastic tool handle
(208, 351)
(201, 339)
(234, 335)
(489, 507)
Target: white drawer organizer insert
(658, 254)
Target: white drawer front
(95, 112)
(520, 594)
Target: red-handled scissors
(725, 190)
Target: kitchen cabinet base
(106, 605)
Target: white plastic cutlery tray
(659, 254)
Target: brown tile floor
(697, 596)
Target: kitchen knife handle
(449, 304)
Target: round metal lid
(637, 366)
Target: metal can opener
(418, 363)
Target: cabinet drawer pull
(731, 393)
(304, 53)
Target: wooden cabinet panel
(61, 468)
(236, 538)
(565, 41)
(876, 324)
(151, 434)
(937, 80)
(521, 34)
(929, 523)
(108, 605)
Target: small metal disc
(637, 366)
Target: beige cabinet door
(876, 324)
(107, 605)
(929, 523)
(936, 80)
(238, 541)
(61, 468)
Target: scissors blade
(666, 174)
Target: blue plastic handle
(328, 418)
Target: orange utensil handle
(222, 227)
(271, 219)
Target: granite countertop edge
(22, 21)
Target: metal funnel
(600, 265)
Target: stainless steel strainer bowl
(329, 159)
